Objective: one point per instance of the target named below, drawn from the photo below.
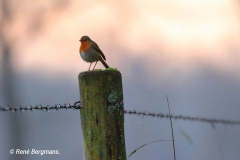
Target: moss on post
(102, 115)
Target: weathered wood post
(102, 115)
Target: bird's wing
(95, 47)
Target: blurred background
(187, 50)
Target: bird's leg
(95, 65)
(89, 67)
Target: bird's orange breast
(85, 46)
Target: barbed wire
(189, 118)
(41, 107)
(77, 105)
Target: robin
(90, 52)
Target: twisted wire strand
(77, 106)
(41, 107)
(181, 117)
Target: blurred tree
(39, 11)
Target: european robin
(90, 52)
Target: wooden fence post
(102, 115)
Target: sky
(188, 50)
(185, 32)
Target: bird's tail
(104, 63)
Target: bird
(90, 52)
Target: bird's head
(85, 39)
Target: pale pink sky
(183, 32)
